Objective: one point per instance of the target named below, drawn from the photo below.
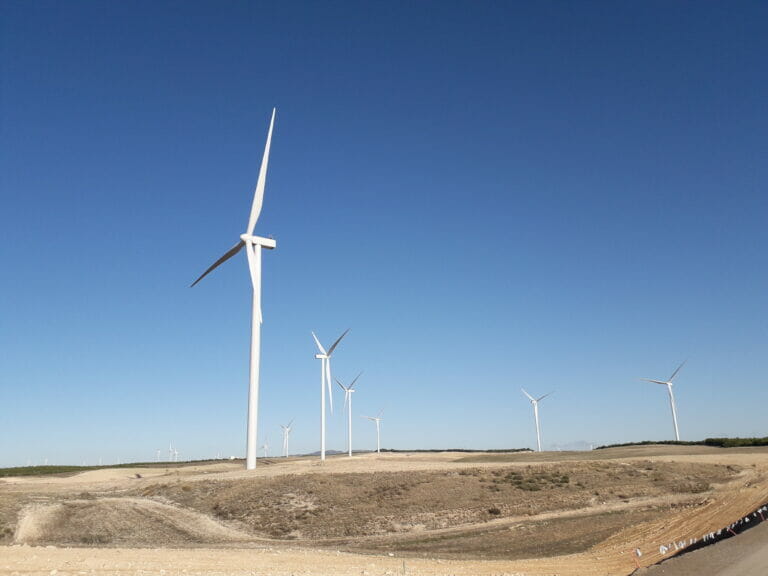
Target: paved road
(745, 555)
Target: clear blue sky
(560, 196)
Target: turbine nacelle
(269, 243)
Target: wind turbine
(170, 452)
(253, 245)
(348, 390)
(325, 377)
(265, 447)
(668, 384)
(286, 434)
(535, 402)
(377, 419)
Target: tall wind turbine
(348, 390)
(668, 384)
(325, 380)
(535, 403)
(377, 419)
(253, 245)
(286, 434)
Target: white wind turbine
(668, 384)
(253, 245)
(170, 452)
(325, 380)
(377, 419)
(348, 390)
(535, 402)
(265, 447)
(286, 434)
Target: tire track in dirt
(130, 521)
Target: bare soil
(564, 513)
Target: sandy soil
(108, 504)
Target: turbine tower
(253, 245)
(377, 419)
(286, 434)
(535, 403)
(325, 379)
(348, 390)
(668, 384)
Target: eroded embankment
(120, 521)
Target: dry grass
(355, 511)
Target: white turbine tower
(348, 390)
(286, 434)
(668, 384)
(535, 403)
(325, 380)
(377, 419)
(253, 245)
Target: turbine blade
(355, 380)
(346, 398)
(380, 413)
(340, 385)
(531, 398)
(678, 370)
(654, 381)
(332, 348)
(540, 398)
(258, 196)
(320, 346)
(231, 252)
(291, 422)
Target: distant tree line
(718, 442)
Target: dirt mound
(119, 521)
(405, 510)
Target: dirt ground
(438, 513)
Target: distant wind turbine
(286, 434)
(668, 384)
(265, 447)
(348, 390)
(170, 452)
(535, 403)
(253, 245)
(325, 380)
(377, 419)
